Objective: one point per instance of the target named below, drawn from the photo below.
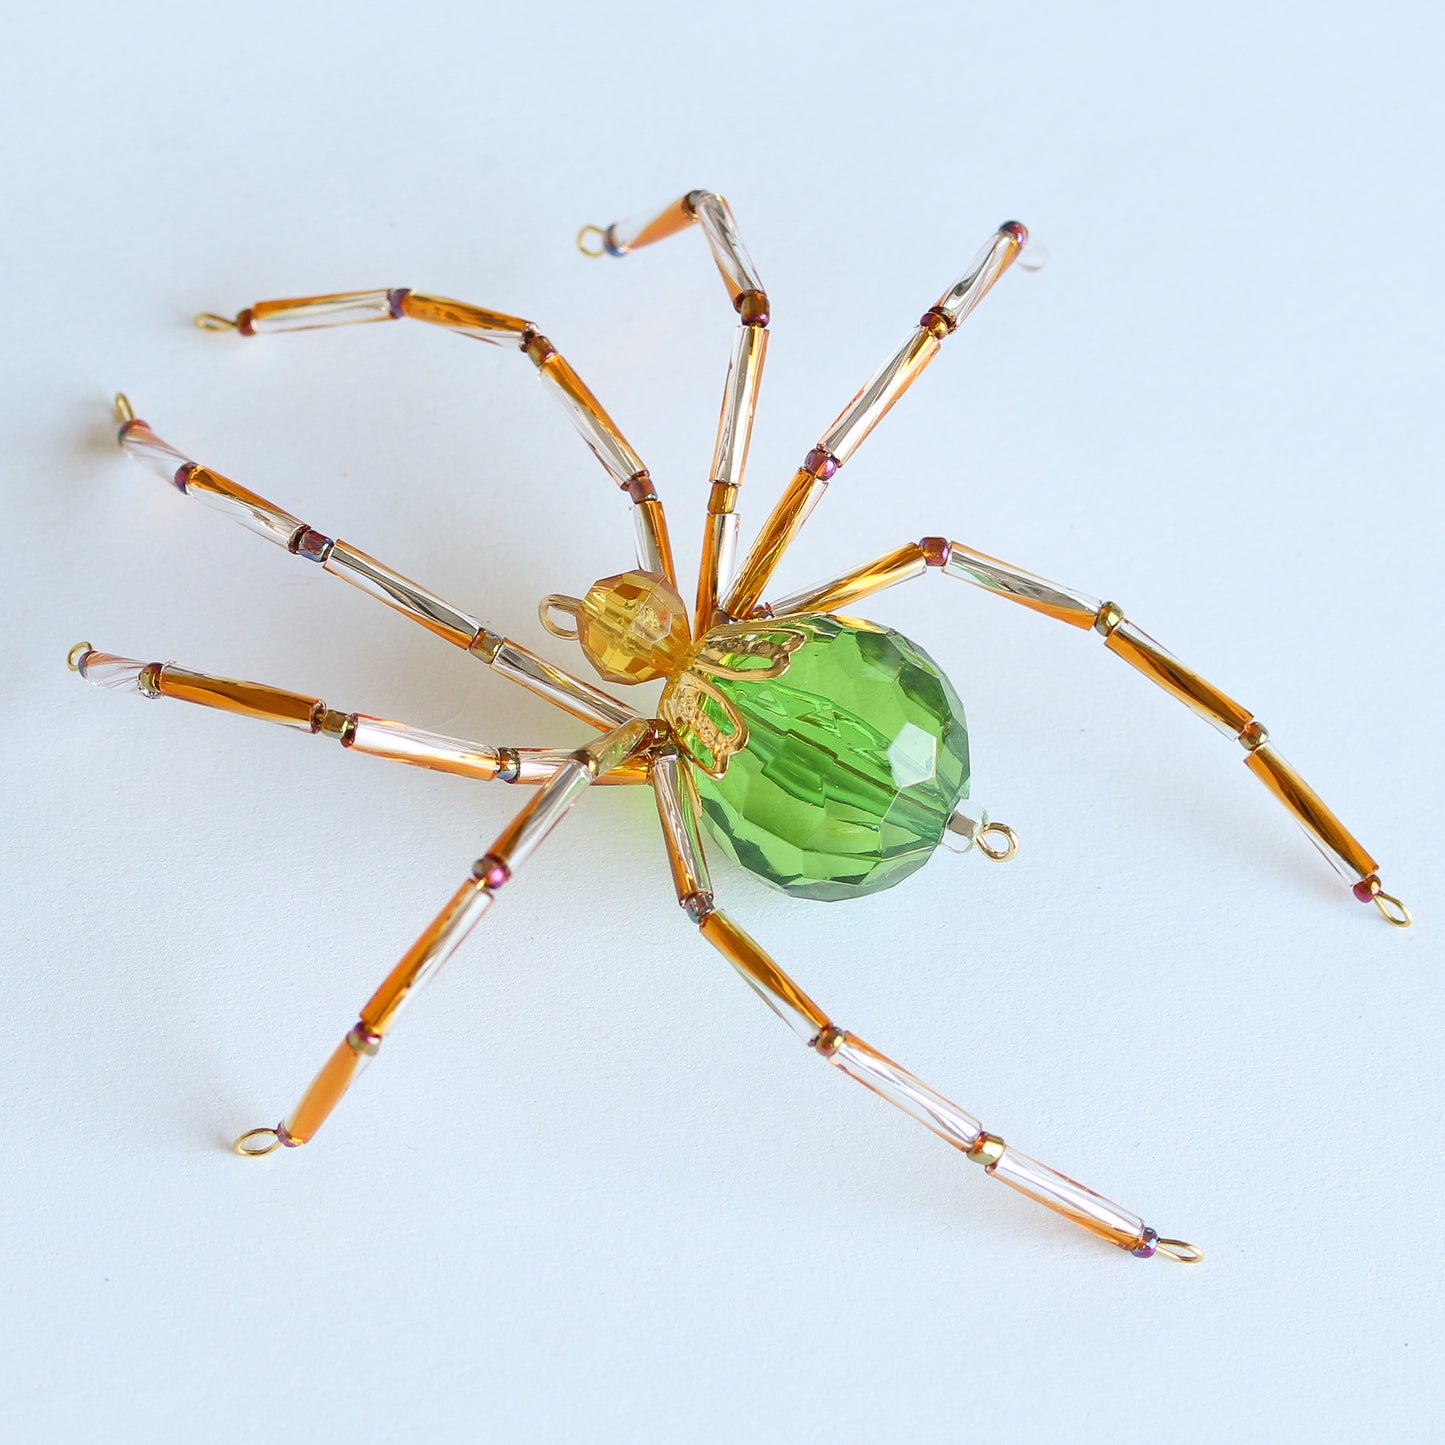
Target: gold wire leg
(517, 842)
(1335, 842)
(356, 731)
(369, 575)
(497, 328)
(677, 811)
(868, 407)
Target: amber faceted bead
(633, 627)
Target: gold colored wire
(1000, 854)
(585, 249)
(1179, 1250)
(246, 1150)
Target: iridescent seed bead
(1018, 231)
(936, 550)
(287, 1138)
(640, 488)
(752, 308)
(182, 479)
(246, 323)
(491, 871)
(820, 463)
(312, 545)
(1366, 889)
(361, 1040)
(396, 300)
(1146, 1246)
(936, 323)
(697, 906)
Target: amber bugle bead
(1068, 1197)
(422, 960)
(249, 699)
(677, 811)
(764, 976)
(590, 419)
(1141, 652)
(1339, 846)
(302, 313)
(495, 327)
(337, 1075)
(1064, 604)
(782, 525)
(241, 505)
(638, 231)
(654, 546)
(378, 580)
(878, 395)
(886, 571)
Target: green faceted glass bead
(856, 755)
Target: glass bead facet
(856, 754)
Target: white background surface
(594, 1191)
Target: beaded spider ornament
(826, 755)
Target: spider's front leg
(713, 216)
(447, 930)
(1339, 846)
(513, 661)
(677, 810)
(360, 732)
(868, 407)
(602, 435)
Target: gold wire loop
(123, 409)
(1000, 853)
(1178, 1250)
(560, 602)
(209, 321)
(247, 1150)
(1395, 912)
(72, 658)
(587, 250)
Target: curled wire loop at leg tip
(73, 657)
(588, 248)
(1179, 1251)
(249, 1145)
(1393, 910)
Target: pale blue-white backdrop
(594, 1191)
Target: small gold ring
(1395, 912)
(72, 658)
(1177, 1249)
(247, 1150)
(999, 854)
(209, 321)
(586, 250)
(561, 603)
(123, 409)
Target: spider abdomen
(829, 752)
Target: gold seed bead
(987, 1149)
(829, 1041)
(339, 725)
(1107, 618)
(1254, 735)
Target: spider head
(631, 628)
